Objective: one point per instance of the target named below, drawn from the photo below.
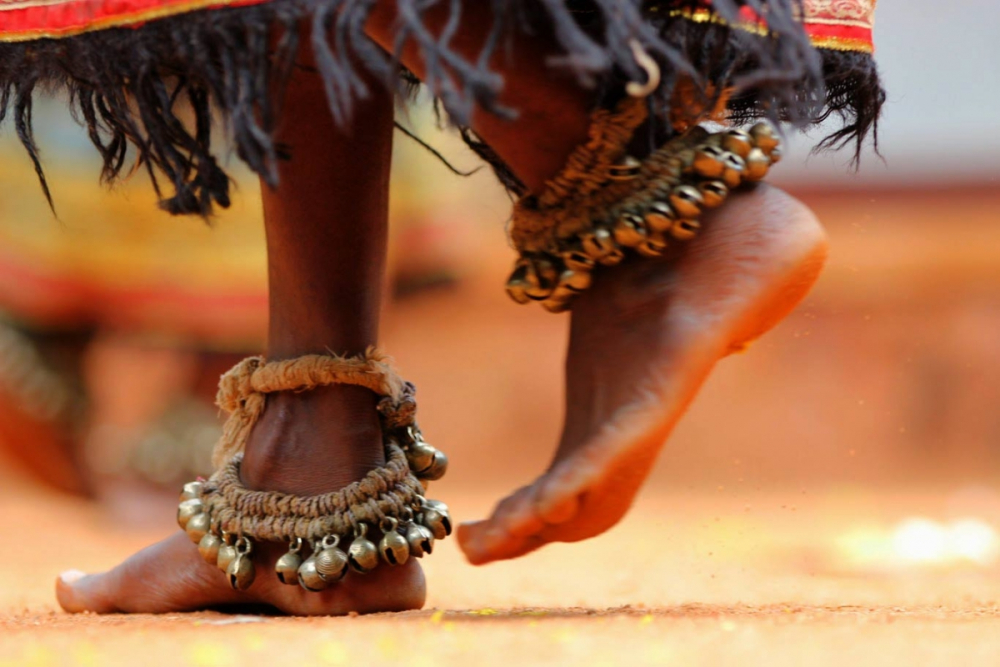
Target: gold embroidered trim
(844, 22)
(708, 16)
(12, 5)
(843, 44)
(832, 43)
(855, 10)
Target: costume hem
(147, 94)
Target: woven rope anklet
(606, 203)
(226, 520)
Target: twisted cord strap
(243, 389)
(280, 517)
(606, 202)
(224, 518)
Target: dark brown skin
(553, 111)
(642, 340)
(326, 235)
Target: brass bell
(613, 258)
(394, 548)
(287, 567)
(439, 466)
(517, 285)
(735, 166)
(187, 510)
(309, 578)
(241, 572)
(625, 169)
(576, 281)
(757, 165)
(685, 230)
(331, 562)
(765, 137)
(737, 141)
(597, 244)
(227, 554)
(630, 230)
(561, 296)
(707, 161)
(198, 526)
(578, 260)
(660, 217)
(208, 547)
(558, 304)
(420, 539)
(713, 192)
(654, 246)
(362, 554)
(409, 435)
(439, 523)
(420, 456)
(191, 491)
(687, 201)
(436, 505)
(541, 276)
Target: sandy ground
(787, 578)
(723, 560)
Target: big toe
(78, 592)
(168, 576)
(484, 542)
(519, 523)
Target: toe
(168, 576)
(511, 530)
(483, 543)
(516, 515)
(78, 592)
(479, 540)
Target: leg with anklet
(326, 232)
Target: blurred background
(857, 443)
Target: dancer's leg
(645, 337)
(326, 233)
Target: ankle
(314, 442)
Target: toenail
(70, 577)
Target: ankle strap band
(226, 519)
(243, 389)
(606, 203)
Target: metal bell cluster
(427, 463)
(327, 563)
(648, 226)
(232, 556)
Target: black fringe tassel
(156, 88)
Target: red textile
(24, 20)
(843, 25)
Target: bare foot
(642, 341)
(306, 444)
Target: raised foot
(642, 342)
(286, 452)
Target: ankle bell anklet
(606, 202)
(226, 520)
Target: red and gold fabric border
(26, 20)
(838, 25)
(842, 25)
